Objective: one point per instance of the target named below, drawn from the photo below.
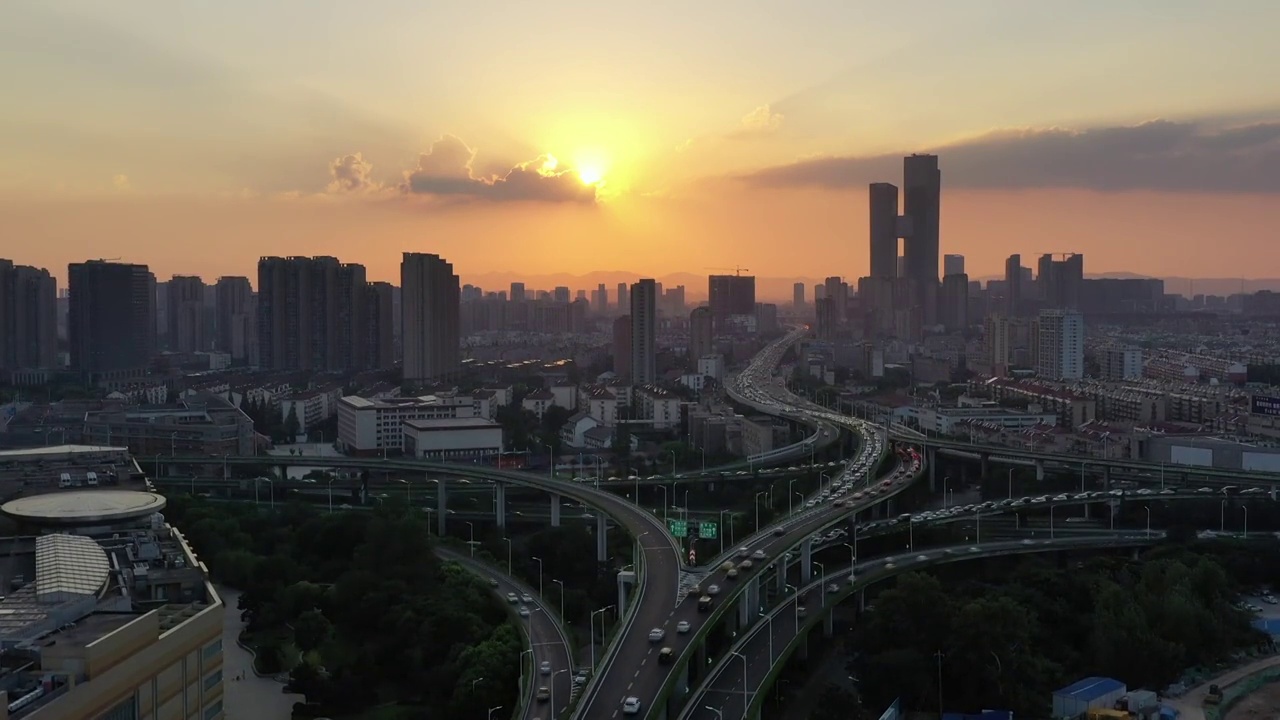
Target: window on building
(213, 710)
(213, 680)
(213, 649)
(127, 710)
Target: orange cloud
(446, 170)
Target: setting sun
(590, 174)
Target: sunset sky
(650, 137)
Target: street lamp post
(745, 697)
(911, 534)
(1246, 521)
(791, 489)
(561, 584)
(822, 581)
(1010, 483)
(758, 510)
(719, 715)
(508, 540)
(853, 556)
(791, 500)
(493, 710)
(1222, 516)
(539, 561)
(330, 484)
(1148, 509)
(722, 512)
(472, 543)
(594, 613)
(977, 530)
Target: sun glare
(590, 174)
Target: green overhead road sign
(679, 528)
(708, 530)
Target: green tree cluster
(1009, 643)
(358, 608)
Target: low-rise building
(538, 401)
(573, 432)
(955, 420)
(376, 426)
(657, 406)
(758, 435)
(463, 438)
(601, 403)
(311, 407)
(197, 425)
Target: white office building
(370, 426)
(1060, 345)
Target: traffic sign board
(679, 528)
(707, 530)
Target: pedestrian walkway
(1191, 704)
(251, 697)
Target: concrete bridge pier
(625, 578)
(782, 575)
(984, 461)
(806, 560)
(931, 458)
(829, 623)
(1106, 476)
(744, 610)
(753, 595)
(500, 504)
(602, 538)
(442, 506)
(555, 510)
(1039, 471)
(862, 601)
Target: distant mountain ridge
(778, 289)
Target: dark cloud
(1160, 155)
(351, 173)
(446, 170)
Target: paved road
(252, 698)
(547, 642)
(1191, 704)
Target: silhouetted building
(235, 318)
(310, 314)
(644, 332)
(1061, 281)
(111, 323)
(701, 333)
(624, 298)
(797, 296)
(28, 318)
(430, 305)
(954, 302)
(185, 314)
(884, 232)
(379, 342)
(952, 265)
(729, 295)
(622, 347)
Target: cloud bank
(1159, 155)
(445, 170)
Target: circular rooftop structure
(85, 507)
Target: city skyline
(194, 163)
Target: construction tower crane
(736, 270)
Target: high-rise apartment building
(184, 314)
(235, 318)
(838, 293)
(729, 295)
(884, 232)
(1061, 280)
(111, 322)
(622, 347)
(624, 298)
(953, 308)
(701, 333)
(429, 301)
(644, 332)
(379, 341)
(310, 314)
(952, 265)
(561, 294)
(1060, 345)
(28, 318)
(797, 296)
(1013, 285)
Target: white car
(758, 555)
(657, 634)
(511, 598)
(524, 612)
(682, 627)
(713, 589)
(526, 598)
(545, 667)
(631, 706)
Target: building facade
(111, 320)
(430, 325)
(644, 332)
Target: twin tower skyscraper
(914, 279)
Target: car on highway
(545, 667)
(524, 612)
(493, 582)
(682, 627)
(657, 634)
(544, 694)
(758, 555)
(631, 706)
(833, 588)
(526, 598)
(713, 589)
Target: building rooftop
(84, 507)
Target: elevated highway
(735, 685)
(544, 632)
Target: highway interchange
(629, 679)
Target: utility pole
(939, 655)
